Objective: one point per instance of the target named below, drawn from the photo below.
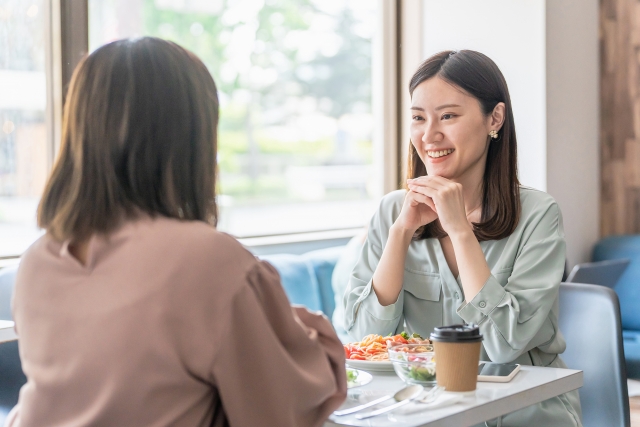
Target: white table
(7, 332)
(531, 385)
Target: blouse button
(456, 295)
(482, 304)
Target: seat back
(7, 279)
(306, 278)
(603, 273)
(323, 262)
(298, 279)
(11, 375)
(628, 286)
(590, 323)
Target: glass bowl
(414, 363)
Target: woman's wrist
(463, 235)
(403, 233)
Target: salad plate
(356, 378)
(370, 354)
(371, 365)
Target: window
(296, 150)
(24, 142)
(308, 92)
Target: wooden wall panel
(620, 116)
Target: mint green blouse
(517, 308)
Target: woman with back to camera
(465, 242)
(132, 310)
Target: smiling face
(450, 132)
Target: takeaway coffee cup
(457, 349)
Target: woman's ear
(497, 117)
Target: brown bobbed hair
(479, 77)
(139, 135)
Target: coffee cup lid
(457, 333)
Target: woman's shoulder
(209, 261)
(391, 204)
(146, 241)
(198, 240)
(539, 207)
(395, 197)
(39, 250)
(533, 200)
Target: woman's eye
(447, 116)
(417, 118)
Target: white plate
(362, 379)
(371, 365)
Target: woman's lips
(439, 156)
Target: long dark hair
(480, 77)
(139, 135)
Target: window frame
(395, 57)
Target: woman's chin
(441, 172)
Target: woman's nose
(431, 132)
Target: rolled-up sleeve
(517, 317)
(290, 355)
(363, 312)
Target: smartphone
(497, 372)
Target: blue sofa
(628, 290)
(11, 375)
(306, 279)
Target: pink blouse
(168, 323)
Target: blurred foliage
(21, 35)
(339, 82)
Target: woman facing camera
(465, 242)
(132, 310)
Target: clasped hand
(433, 197)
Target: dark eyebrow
(442, 107)
(446, 106)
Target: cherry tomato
(399, 338)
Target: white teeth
(440, 153)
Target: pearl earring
(493, 134)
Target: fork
(431, 395)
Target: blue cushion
(340, 281)
(7, 279)
(628, 286)
(298, 279)
(631, 342)
(11, 375)
(323, 262)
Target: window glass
(294, 80)
(24, 149)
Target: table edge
(487, 411)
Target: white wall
(512, 34)
(573, 128)
(548, 53)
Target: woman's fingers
(426, 194)
(438, 188)
(421, 198)
(425, 179)
(424, 190)
(435, 182)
